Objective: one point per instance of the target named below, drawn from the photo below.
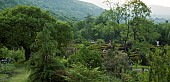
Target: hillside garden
(123, 44)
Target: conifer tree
(44, 63)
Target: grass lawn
(20, 75)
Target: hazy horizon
(101, 3)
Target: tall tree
(137, 10)
(45, 67)
(63, 34)
(19, 26)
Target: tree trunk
(27, 53)
(127, 36)
(134, 34)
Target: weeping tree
(44, 64)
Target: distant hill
(77, 10)
(160, 10)
(63, 9)
(160, 13)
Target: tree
(128, 17)
(137, 10)
(63, 34)
(84, 28)
(115, 17)
(44, 65)
(19, 26)
(159, 70)
(148, 31)
(164, 31)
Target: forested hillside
(62, 9)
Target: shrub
(100, 41)
(6, 68)
(86, 56)
(159, 66)
(81, 73)
(116, 64)
(16, 55)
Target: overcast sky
(100, 3)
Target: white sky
(100, 3)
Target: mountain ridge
(78, 10)
(160, 10)
(63, 9)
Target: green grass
(20, 75)
(2, 76)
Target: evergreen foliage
(44, 64)
(81, 73)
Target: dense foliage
(123, 44)
(44, 64)
(19, 26)
(62, 9)
(88, 57)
